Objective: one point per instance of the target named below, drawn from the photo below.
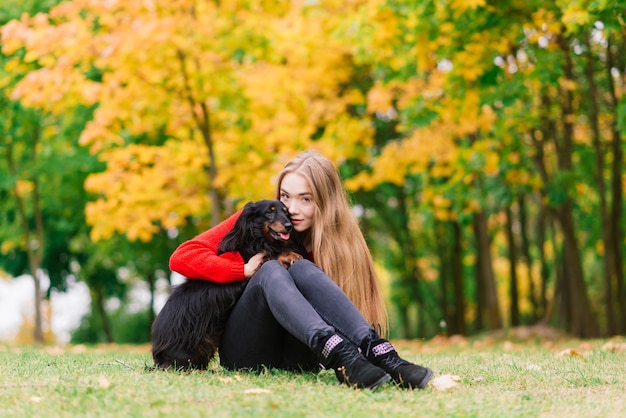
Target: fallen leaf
(55, 350)
(255, 391)
(79, 348)
(36, 399)
(458, 339)
(103, 382)
(613, 346)
(569, 352)
(445, 381)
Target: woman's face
(296, 195)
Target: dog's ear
(236, 238)
(249, 210)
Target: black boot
(351, 368)
(384, 355)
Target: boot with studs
(351, 368)
(383, 354)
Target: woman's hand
(253, 265)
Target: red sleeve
(198, 259)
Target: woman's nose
(292, 208)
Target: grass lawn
(473, 378)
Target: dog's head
(272, 217)
(262, 225)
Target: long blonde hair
(338, 244)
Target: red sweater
(198, 259)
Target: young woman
(326, 311)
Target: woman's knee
(304, 270)
(302, 267)
(309, 277)
(270, 267)
(269, 271)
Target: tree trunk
(563, 291)
(450, 253)
(151, 283)
(608, 264)
(557, 301)
(583, 323)
(34, 244)
(38, 331)
(544, 267)
(406, 285)
(457, 280)
(480, 298)
(489, 310)
(98, 301)
(411, 271)
(615, 226)
(547, 130)
(525, 247)
(404, 318)
(444, 273)
(514, 291)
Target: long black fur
(187, 331)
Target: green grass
(496, 379)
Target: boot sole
(421, 385)
(384, 379)
(426, 379)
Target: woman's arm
(198, 259)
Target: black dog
(187, 331)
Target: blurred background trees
(481, 141)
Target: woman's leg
(271, 315)
(332, 304)
(271, 324)
(329, 301)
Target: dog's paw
(264, 259)
(288, 258)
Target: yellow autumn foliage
(23, 188)
(137, 176)
(166, 69)
(253, 82)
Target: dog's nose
(288, 226)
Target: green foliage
(60, 168)
(89, 331)
(132, 328)
(12, 9)
(127, 328)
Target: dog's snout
(288, 226)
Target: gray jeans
(280, 315)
